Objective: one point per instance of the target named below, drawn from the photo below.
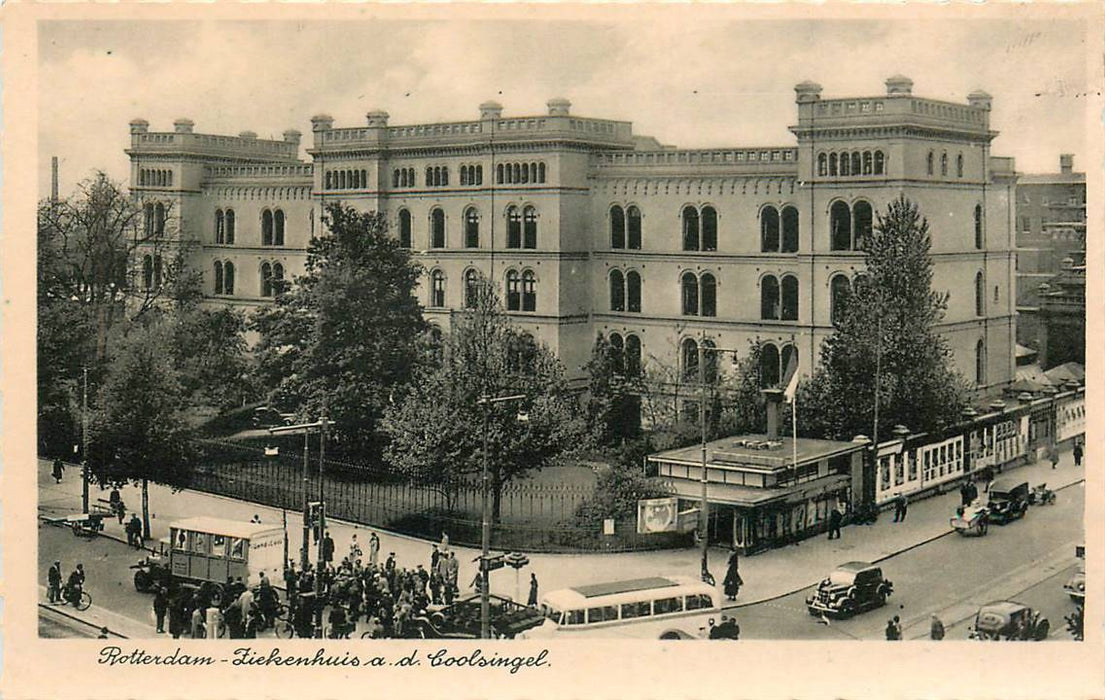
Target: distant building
(1051, 226)
(1062, 317)
(589, 228)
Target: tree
(141, 434)
(211, 352)
(614, 402)
(620, 486)
(439, 428)
(918, 386)
(346, 334)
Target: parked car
(1008, 500)
(269, 417)
(461, 620)
(850, 589)
(1009, 621)
(1076, 586)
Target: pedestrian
(972, 492)
(835, 518)
(160, 607)
(214, 621)
(134, 531)
(728, 629)
(197, 622)
(373, 550)
(59, 469)
(354, 549)
(532, 601)
(936, 630)
(964, 493)
(1054, 456)
(53, 581)
(176, 615)
(1077, 452)
(435, 556)
(327, 548)
(893, 629)
(732, 583)
(901, 504)
(452, 571)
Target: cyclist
(75, 585)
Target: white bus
(659, 607)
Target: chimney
(322, 122)
(248, 135)
(54, 179)
(899, 86)
(491, 110)
(980, 99)
(183, 126)
(774, 399)
(292, 136)
(1066, 163)
(377, 119)
(139, 126)
(807, 91)
(559, 107)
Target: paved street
(949, 574)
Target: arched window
(633, 292)
(978, 226)
(632, 355)
(790, 230)
(513, 227)
(617, 291)
(709, 362)
(395, 178)
(230, 227)
(220, 227)
(709, 228)
(277, 278)
(499, 173)
(147, 272)
(364, 178)
(479, 174)
(616, 352)
(513, 291)
(857, 168)
(157, 271)
(463, 175)
(769, 298)
(218, 277)
(471, 289)
(944, 164)
(404, 228)
(429, 177)
(832, 164)
(840, 223)
(769, 366)
(437, 228)
(342, 181)
(690, 228)
(540, 172)
(980, 295)
(445, 176)
(863, 218)
(278, 226)
(769, 230)
(529, 218)
(437, 288)
(617, 227)
(266, 228)
(980, 362)
(266, 280)
(517, 171)
(690, 359)
(159, 219)
(930, 167)
(228, 278)
(708, 294)
(436, 342)
(822, 165)
(689, 285)
(525, 173)
(529, 291)
(148, 218)
(329, 181)
(880, 161)
(786, 357)
(845, 164)
(471, 228)
(959, 165)
(839, 289)
(633, 220)
(867, 162)
(790, 298)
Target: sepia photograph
(545, 328)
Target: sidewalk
(768, 575)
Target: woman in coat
(732, 582)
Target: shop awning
(752, 497)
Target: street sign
(516, 560)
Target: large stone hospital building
(587, 227)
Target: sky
(688, 82)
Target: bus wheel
(670, 635)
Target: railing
(260, 171)
(732, 156)
(865, 107)
(211, 142)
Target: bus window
(699, 601)
(218, 546)
(641, 609)
(199, 542)
(180, 540)
(667, 605)
(237, 549)
(605, 613)
(573, 617)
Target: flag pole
(794, 412)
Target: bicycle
(83, 601)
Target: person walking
(1053, 454)
(1077, 452)
(893, 629)
(835, 518)
(936, 628)
(732, 583)
(373, 550)
(901, 505)
(327, 548)
(53, 583)
(452, 571)
(134, 531)
(354, 549)
(176, 615)
(59, 470)
(532, 600)
(160, 607)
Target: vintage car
(1009, 621)
(852, 588)
(973, 519)
(1008, 500)
(154, 570)
(1076, 585)
(461, 620)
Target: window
(708, 294)
(218, 277)
(709, 228)
(840, 223)
(404, 228)
(980, 295)
(513, 227)
(641, 609)
(856, 163)
(839, 289)
(769, 366)
(699, 601)
(944, 164)
(230, 227)
(632, 355)
(863, 219)
(147, 272)
(220, 227)
(604, 614)
(769, 298)
(832, 164)
(845, 164)
(266, 227)
(266, 280)
(617, 227)
(790, 230)
(513, 291)
(880, 161)
(437, 289)
(664, 606)
(616, 352)
(633, 216)
(437, 228)
(690, 228)
(278, 227)
(633, 292)
(471, 228)
(228, 278)
(690, 359)
(709, 362)
(822, 165)
(980, 363)
(159, 219)
(867, 162)
(529, 291)
(959, 165)
(541, 172)
(789, 355)
(690, 294)
(930, 164)
(530, 221)
(790, 298)
(157, 271)
(769, 230)
(395, 178)
(995, 294)
(617, 291)
(978, 227)
(471, 289)
(499, 174)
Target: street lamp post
(84, 442)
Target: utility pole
(323, 422)
(84, 442)
(704, 515)
(304, 559)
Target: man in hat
(53, 579)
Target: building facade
(588, 228)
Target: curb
(74, 618)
